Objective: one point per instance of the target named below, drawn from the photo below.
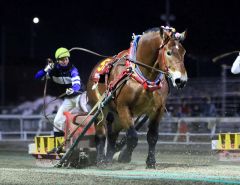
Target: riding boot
(58, 134)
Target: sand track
(20, 168)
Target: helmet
(62, 52)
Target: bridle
(162, 50)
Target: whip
(89, 51)
(215, 59)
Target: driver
(236, 65)
(66, 76)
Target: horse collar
(140, 78)
(137, 74)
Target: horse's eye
(169, 53)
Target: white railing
(24, 135)
(21, 134)
(187, 138)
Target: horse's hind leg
(152, 137)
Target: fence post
(187, 137)
(21, 128)
(224, 88)
(24, 135)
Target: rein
(153, 68)
(147, 66)
(46, 104)
(163, 49)
(130, 59)
(104, 56)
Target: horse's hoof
(151, 166)
(101, 164)
(109, 160)
(116, 157)
(58, 165)
(124, 158)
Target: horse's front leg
(112, 136)
(100, 139)
(152, 138)
(127, 123)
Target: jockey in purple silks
(66, 76)
(236, 65)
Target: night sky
(106, 27)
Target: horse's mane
(155, 29)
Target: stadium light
(36, 20)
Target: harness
(132, 66)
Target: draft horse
(145, 92)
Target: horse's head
(171, 55)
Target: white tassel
(94, 86)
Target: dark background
(106, 27)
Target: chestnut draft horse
(145, 92)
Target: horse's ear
(183, 35)
(163, 34)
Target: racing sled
(84, 154)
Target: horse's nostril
(178, 81)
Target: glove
(49, 67)
(69, 91)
